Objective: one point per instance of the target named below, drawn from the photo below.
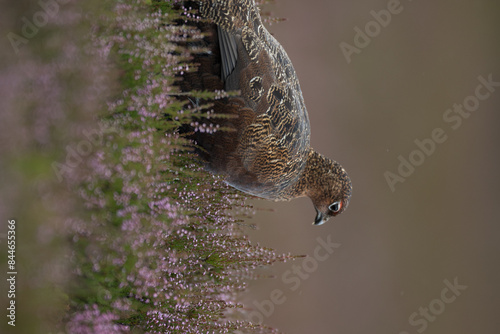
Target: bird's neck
(306, 182)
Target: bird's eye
(335, 207)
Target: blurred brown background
(396, 248)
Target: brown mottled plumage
(269, 154)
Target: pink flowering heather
(141, 236)
(92, 321)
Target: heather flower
(150, 240)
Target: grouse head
(327, 184)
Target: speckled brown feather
(269, 154)
(273, 148)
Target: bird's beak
(320, 219)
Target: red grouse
(268, 153)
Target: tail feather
(232, 15)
